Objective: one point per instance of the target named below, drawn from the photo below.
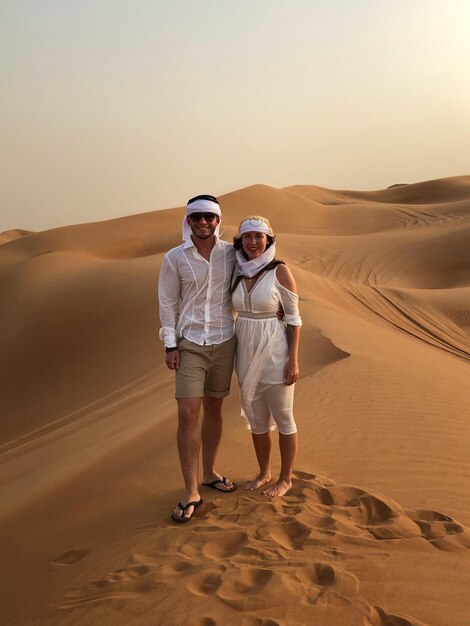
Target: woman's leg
(288, 447)
(280, 401)
(262, 441)
(263, 445)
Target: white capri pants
(272, 406)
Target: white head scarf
(257, 224)
(200, 206)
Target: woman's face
(254, 244)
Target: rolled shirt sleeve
(169, 287)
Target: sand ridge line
(410, 322)
(252, 555)
(101, 407)
(70, 557)
(395, 309)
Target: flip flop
(221, 481)
(183, 519)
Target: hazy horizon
(113, 109)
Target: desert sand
(376, 529)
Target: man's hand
(172, 359)
(280, 313)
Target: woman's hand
(291, 372)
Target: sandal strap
(183, 507)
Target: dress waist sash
(256, 316)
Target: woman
(266, 362)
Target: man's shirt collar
(190, 243)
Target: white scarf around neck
(252, 267)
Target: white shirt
(194, 294)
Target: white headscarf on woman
(258, 224)
(200, 205)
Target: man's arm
(168, 298)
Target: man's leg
(211, 433)
(189, 443)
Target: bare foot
(278, 489)
(257, 482)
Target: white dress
(262, 350)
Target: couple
(201, 282)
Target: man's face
(203, 225)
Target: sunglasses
(197, 217)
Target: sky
(117, 107)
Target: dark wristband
(171, 349)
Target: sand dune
(15, 233)
(376, 531)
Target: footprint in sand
(249, 555)
(378, 617)
(442, 531)
(250, 588)
(109, 588)
(381, 517)
(321, 577)
(243, 581)
(291, 509)
(123, 574)
(206, 583)
(176, 568)
(222, 544)
(213, 545)
(289, 533)
(202, 621)
(70, 557)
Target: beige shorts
(204, 370)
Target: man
(197, 330)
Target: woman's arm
(286, 279)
